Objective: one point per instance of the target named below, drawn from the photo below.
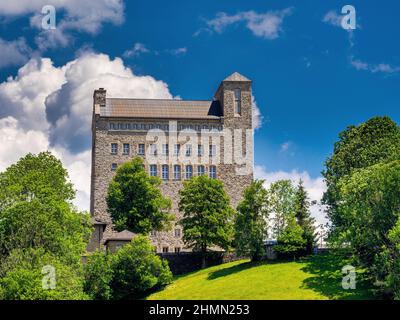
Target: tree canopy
(36, 209)
(251, 221)
(135, 201)
(207, 215)
(372, 142)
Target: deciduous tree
(135, 201)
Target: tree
(135, 201)
(98, 274)
(387, 264)
(36, 210)
(34, 274)
(137, 270)
(207, 215)
(251, 221)
(291, 241)
(369, 210)
(281, 204)
(303, 216)
(375, 141)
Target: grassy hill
(317, 277)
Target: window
(126, 148)
(177, 172)
(189, 171)
(213, 172)
(153, 170)
(213, 150)
(188, 150)
(177, 233)
(165, 250)
(153, 149)
(114, 166)
(141, 149)
(200, 170)
(165, 150)
(238, 107)
(177, 249)
(177, 149)
(200, 150)
(153, 233)
(114, 148)
(165, 173)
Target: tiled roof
(161, 108)
(121, 236)
(237, 77)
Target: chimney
(99, 100)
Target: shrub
(24, 274)
(291, 242)
(98, 275)
(137, 270)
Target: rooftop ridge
(162, 99)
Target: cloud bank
(49, 108)
(266, 25)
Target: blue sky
(311, 78)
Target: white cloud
(83, 16)
(257, 116)
(23, 96)
(265, 25)
(374, 68)
(177, 51)
(13, 53)
(69, 109)
(49, 108)
(138, 48)
(332, 18)
(314, 186)
(16, 141)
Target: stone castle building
(178, 139)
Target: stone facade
(222, 122)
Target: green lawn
(317, 277)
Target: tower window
(200, 170)
(141, 149)
(188, 150)
(213, 172)
(200, 150)
(177, 149)
(213, 150)
(153, 170)
(177, 172)
(189, 172)
(114, 166)
(165, 172)
(238, 107)
(165, 149)
(114, 148)
(126, 148)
